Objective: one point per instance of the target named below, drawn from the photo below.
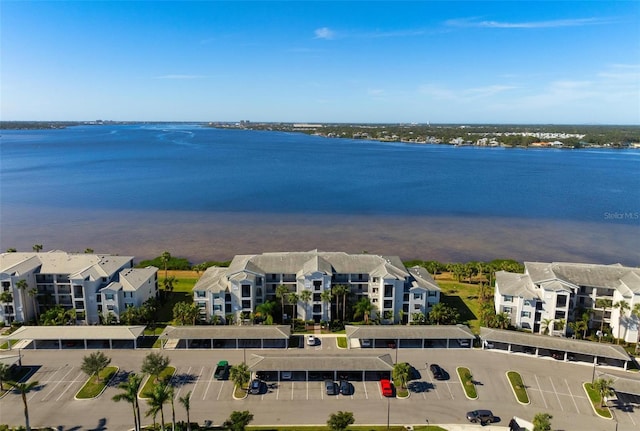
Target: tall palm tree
(292, 299)
(240, 375)
(326, 297)
(604, 304)
(24, 389)
(165, 257)
(22, 285)
(623, 306)
(341, 290)
(401, 372)
(604, 388)
(281, 293)
(364, 307)
(636, 313)
(305, 296)
(157, 399)
(186, 403)
(130, 394)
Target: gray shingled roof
(420, 332)
(554, 343)
(100, 332)
(623, 384)
(300, 362)
(515, 284)
(255, 332)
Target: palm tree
(401, 372)
(636, 313)
(305, 296)
(238, 421)
(37, 248)
(281, 293)
(340, 421)
(363, 308)
(546, 326)
(502, 320)
(604, 304)
(186, 403)
(165, 258)
(292, 299)
(604, 388)
(94, 364)
(22, 285)
(340, 290)
(156, 399)
(542, 422)
(437, 312)
(559, 324)
(265, 310)
(173, 408)
(326, 297)
(24, 389)
(240, 375)
(623, 306)
(5, 374)
(130, 394)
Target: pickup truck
(222, 371)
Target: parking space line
(206, 391)
(540, 391)
(366, 394)
(69, 385)
(56, 385)
(572, 398)
(292, 385)
(195, 385)
(450, 393)
(177, 394)
(556, 392)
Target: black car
(345, 388)
(438, 373)
(255, 387)
(480, 416)
(331, 387)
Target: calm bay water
(209, 194)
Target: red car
(386, 388)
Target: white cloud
(463, 94)
(574, 22)
(324, 33)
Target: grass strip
(151, 382)
(467, 382)
(518, 387)
(596, 401)
(92, 388)
(342, 342)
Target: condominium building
(91, 284)
(397, 293)
(550, 295)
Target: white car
(311, 340)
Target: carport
(230, 337)
(320, 367)
(555, 347)
(76, 337)
(411, 336)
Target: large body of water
(207, 194)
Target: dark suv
(481, 416)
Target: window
(526, 314)
(561, 301)
(246, 291)
(417, 296)
(108, 296)
(506, 310)
(388, 290)
(417, 306)
(200, 294)
(217, 307)
(433, 293)
(110, 307)
(507, 298)
(388, 303)
(560, 314)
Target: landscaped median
(94, 387)
(152, 381)
(518, 387)
(467, 383)
(596, 401)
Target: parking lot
(554, 387)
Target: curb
(584, 387)
(514, 389)
(104, 388)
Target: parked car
(331, 387)
(222, 371)
(438, 373)
(386, 388)
(365, 343)
(345, 387)
(285, 375)
(480, 416)
(311, 340)
(255, 387)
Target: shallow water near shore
(209, 194)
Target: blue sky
(566, 62)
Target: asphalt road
(554, 387)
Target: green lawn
(464, 297)
(151, 383)
(467, 382)
(596, 400)
(93, 388)
(518, 387)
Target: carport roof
(623, 384)
(300, 362)
(263, 332)
(554, 343)
(100, 332)
(420, 332)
